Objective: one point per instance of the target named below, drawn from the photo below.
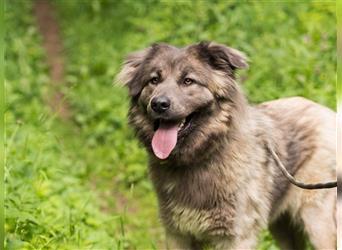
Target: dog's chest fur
(201, 223)
(200, 201)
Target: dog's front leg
(246, 243)
(176, 241)
(249, 242)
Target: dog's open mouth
(166, 134)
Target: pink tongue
(164, 140)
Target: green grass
(83, 184)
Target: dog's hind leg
(320, 223)
(288, 235)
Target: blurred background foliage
(83, 183)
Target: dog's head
(182, 97)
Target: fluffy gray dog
(216, 181)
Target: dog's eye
(188, 81)
(154, 80)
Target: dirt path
(52, 42)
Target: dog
(216, 182)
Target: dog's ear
(222, 57)
(130, 69)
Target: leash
(331, 184)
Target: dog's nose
(160, 104)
